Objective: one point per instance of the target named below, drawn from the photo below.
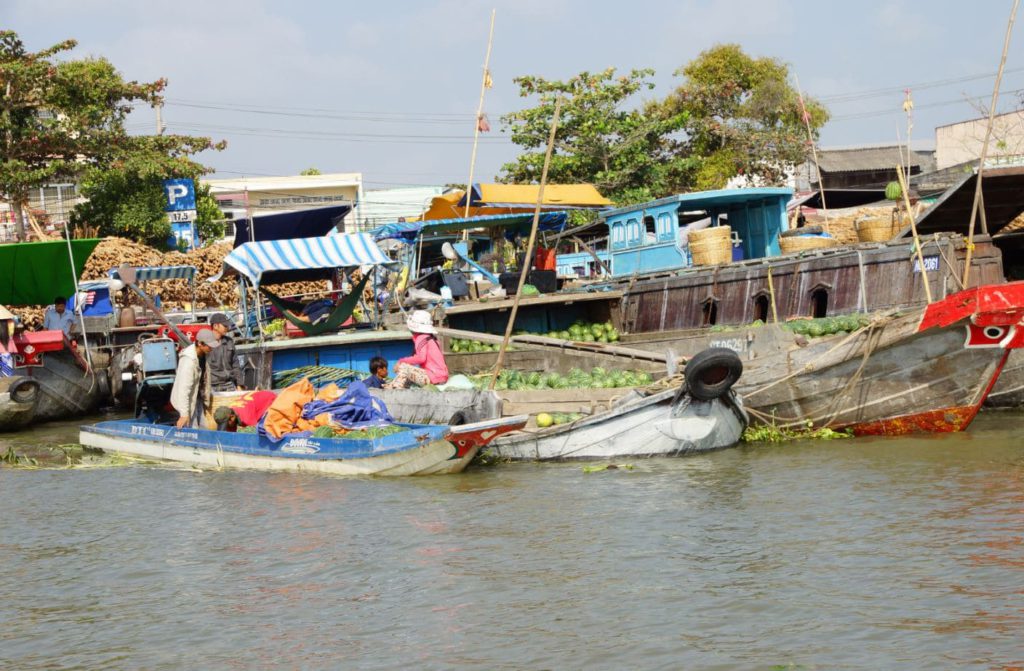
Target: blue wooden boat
(417, 450)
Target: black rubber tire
(712, 373)
(23, 390)
(459, 418)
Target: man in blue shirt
(57, 317)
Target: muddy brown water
(898, 553)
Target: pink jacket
(427, 355)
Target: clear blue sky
(390, 88)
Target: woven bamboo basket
(877, 229)
(803, 243)
(711, 246)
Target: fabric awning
(144, 274)
(34, 273)
(286, 225)
(302, 258)
(410, 230)
(489, 199)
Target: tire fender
(24, 390)
(712, 373)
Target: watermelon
(643, 377)
(597, 330)
(588, 337)
(613, 336)
(564, 335)
(815, 330)
(597, 372)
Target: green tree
(127, 204)
(310, 171)
(739, 116)
(621, 151)
(64, 119)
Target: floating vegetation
(772, 433)
(597, 468)
(12, 459)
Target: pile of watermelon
(826, 326)
(597, 378)
(458, 345)
(581, 331)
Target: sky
(390, 89)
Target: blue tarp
(408, 231)
(303, 224)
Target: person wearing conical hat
(426, 365)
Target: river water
(898, 553)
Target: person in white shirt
(185, 392)
(57, 317)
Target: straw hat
(420, 322)
(6, 314)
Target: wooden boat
(666, 424)
(697, 415)
(926, 369)
(418, 450)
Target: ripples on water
(865, 554)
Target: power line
(875, 93)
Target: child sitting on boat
(378, 373)
(426, 365)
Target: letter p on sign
(176, 191)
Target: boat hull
(1009, 389)
(65, 391)
(422, 451)
(656, 426)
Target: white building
(272, 195)
(962, 142)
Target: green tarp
(34, 273)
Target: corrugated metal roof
(872, 158)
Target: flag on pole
(488, 82)
(482, 124)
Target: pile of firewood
(208, 261)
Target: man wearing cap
(185, 392)
(222, 364)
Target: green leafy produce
(613, 335)
(530, 290)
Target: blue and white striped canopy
(143, 274)
(344, 250)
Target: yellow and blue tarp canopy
(514, 198)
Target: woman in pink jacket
(426, 365)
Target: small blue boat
(416, 450)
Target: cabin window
(650, 228)
(819, 302)
(666, 230)
(761, 306)
(709, 312)
(633, 228)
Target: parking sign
(180, 194)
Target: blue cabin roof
(651, 237)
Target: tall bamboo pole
(913, 228)
(528, 259)
(814, 151)
(984, 148)
(484, 80)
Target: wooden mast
(485, 83)
(528, 259)
(984, 148)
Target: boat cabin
(652, 237)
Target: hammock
(337, 317)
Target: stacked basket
(876, 229)
(711, 246)
(803, 243)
